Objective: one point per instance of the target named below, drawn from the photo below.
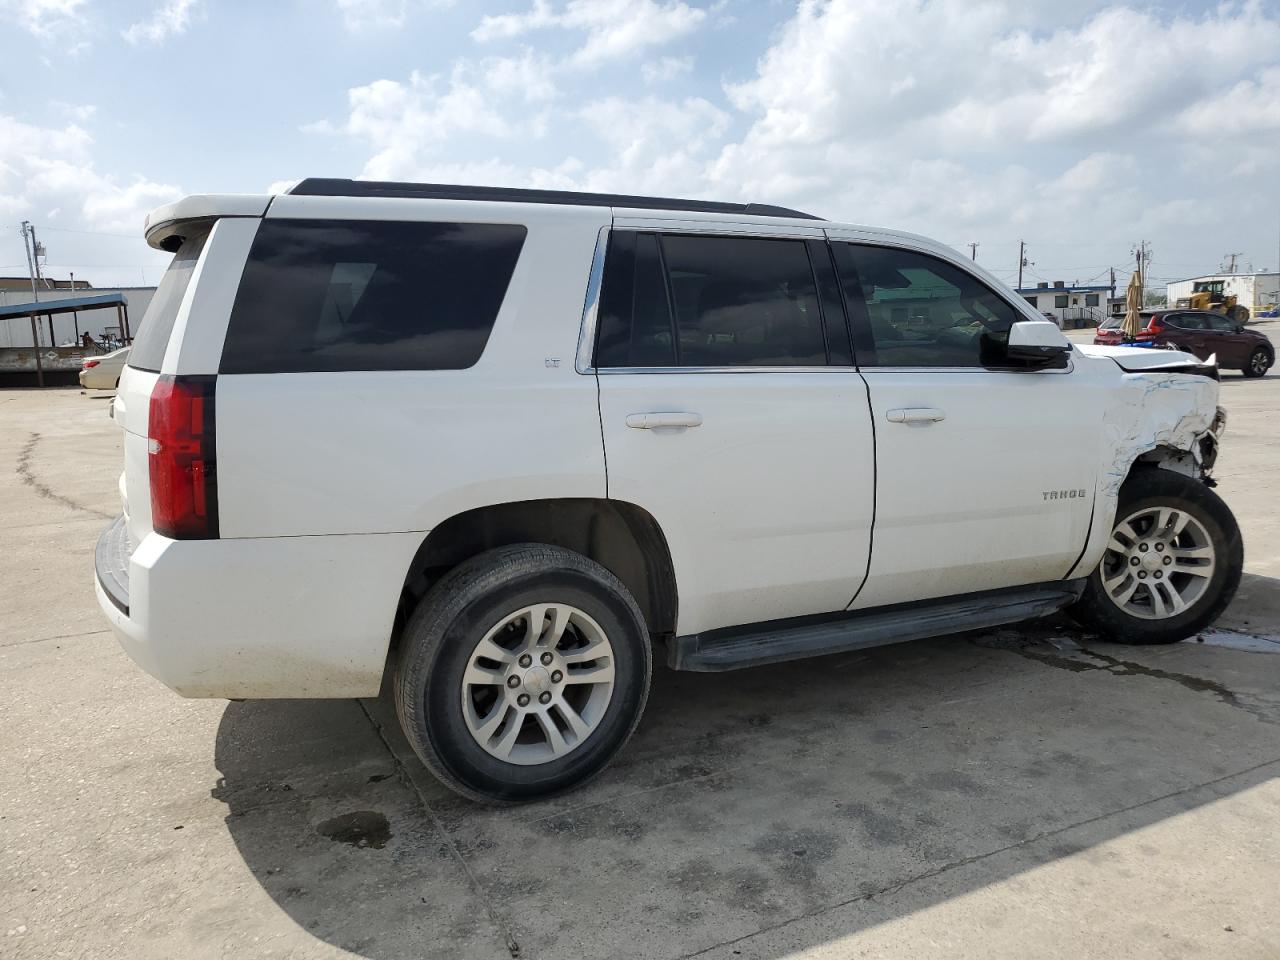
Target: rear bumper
(111, 564)
(279, 617)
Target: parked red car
(1201, 332)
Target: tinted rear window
(153, 332)
(737, 301)
(369, 295)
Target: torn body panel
(1169, 418)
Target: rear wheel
(1171, 566)
(1258, 364)
(1239, 314)
(522, 673)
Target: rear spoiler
(167, 226)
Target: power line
(96, 233)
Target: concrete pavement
(1025, 792)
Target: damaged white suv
(506, 446)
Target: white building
(1070, 306)
(1257, 291)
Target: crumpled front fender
(1169, 418)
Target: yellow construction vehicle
(1209, 295)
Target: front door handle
(655, 421)
(915, 415)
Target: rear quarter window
(369, 295)
(152, 340)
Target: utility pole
(973, 250)
(1022, 260)
(37, 251)
(1143, 256)
(1113, 283)
(1231, 269)
(35, 297)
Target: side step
(754, 644)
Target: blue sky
(1080, 127)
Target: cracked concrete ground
(1021, 792)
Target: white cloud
(169, 19)
(613, 28)
(408, 124)
(653, 145)
(44, 18)
(954, 117)
(504, 26)
(1250, 107)
(666, 69)
(51, 168)
(1081, 126)
(361, 15)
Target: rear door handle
(915, 415)
(653, 421)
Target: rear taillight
(90, 363)
(1154, 325)
(184, 475)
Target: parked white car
(510, 445)
(103, 373)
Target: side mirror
(1038, 343)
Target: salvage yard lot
(1008, 794)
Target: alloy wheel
(1158, 563)
(537, 685)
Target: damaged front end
(1165, 415)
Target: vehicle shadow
(853, 789)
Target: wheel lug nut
(1159, 574)
(523, 700)
(513, 681)
(1142, 574)
(1142, 547)
(1168, 560)
(544, 697)
(556, 676)
(546, 658)
(526, 660)
(1134, 561)
(1159, 547)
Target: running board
(754, 644)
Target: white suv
(508, 444)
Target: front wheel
(1171, 566)
(522, 673)
(1259, 363)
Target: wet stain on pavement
(1109, 664)
(28, 477)
(363, 829)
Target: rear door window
(369, 295)
(152, 338)
(702, 301)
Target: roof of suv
(325, 187)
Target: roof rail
(326, 187)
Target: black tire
(440, 638)
(1239, 314)
(1258, 364)
(1152, 487)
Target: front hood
(1135, 359)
